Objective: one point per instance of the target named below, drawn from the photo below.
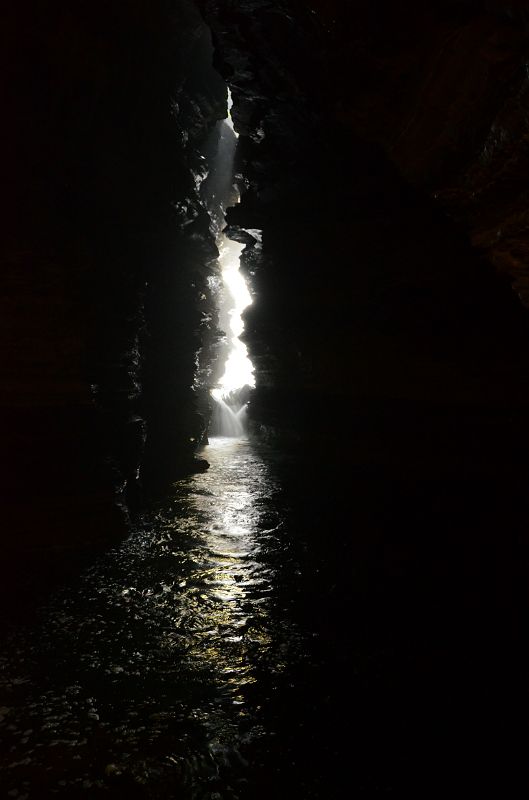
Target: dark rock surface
(383, 158)
(366, 294)
(105, 302)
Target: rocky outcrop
(106, 304)
(359, 127)
(442, 88)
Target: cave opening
(235, 369)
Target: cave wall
(442, 88)
(374, 310)
(106, 310)
(382, 154)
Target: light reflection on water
(224, 603)
(154, 666)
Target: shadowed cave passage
(337, 598)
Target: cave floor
(277, 627)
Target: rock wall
(442, 88)
(106, 311)
(373, 312)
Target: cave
(265, 319)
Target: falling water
(229, 411)
(226, 420)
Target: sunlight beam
(238, 369)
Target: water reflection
(224, 604)
(154, 667)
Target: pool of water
(151, 672)
(274, 628)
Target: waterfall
(226, 421)
(231, 392)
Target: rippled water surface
(277, 628)
(151, 673)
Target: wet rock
(105, 286)
(200, 465)
(113, 771)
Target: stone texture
(369, 300)
(105, 303)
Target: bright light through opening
(238, 369)
(229, 120)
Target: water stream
(279, 627)
(154, 668)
